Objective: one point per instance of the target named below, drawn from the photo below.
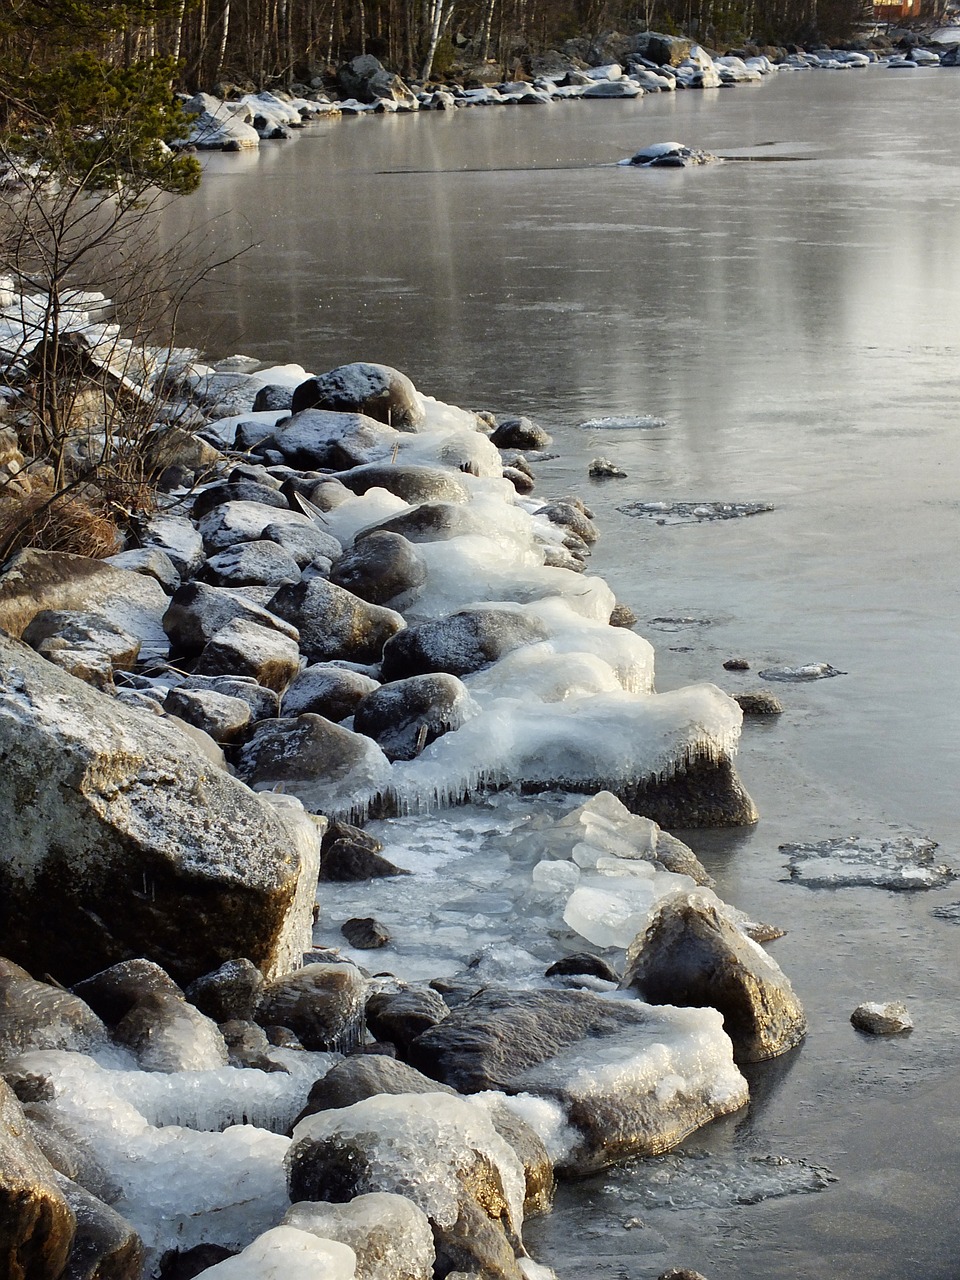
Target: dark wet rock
(520, 433)
(556, 1044)
(692, 955)
(146, 867)
(306, 546)
(105, 1246)
(375, 390)
(707, 793)
(327, 690)
(38, 1224)
(264, 703)
(570, 515)
(411, 483)
(380, 567)
(198, 611)
(664, 50)
(151, 562)
(897, 862)
(519, 479)
(261, 562)
(406, 715)
(361, 1076)
(337, 829)
(272, 398)
(245, 648)
(474, 1245)
(334, 623)
(229, 994)
(36, 1015)
(459, 644)
(169, 1034)
(890, 1019)
(319, 439)
(401, 1016)
(679, 858)
(736, 664)
(365, 933)
(347, 860)
(255, 472)
(583, 962)
(330, 769)
(223, 717)
(622, 616)
(322, 1004)
(35, 581)
(184, 1264)
(248, 1046)
(390, 1236)
(240, 490)
(760, 702)
(113, 992)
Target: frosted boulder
(220, 126)
(327, 690)
(438, 1150)
(405, 715)
(38, 1223)
(259, 562)
(459, 644)
(238, 490)
(380, 567)
(330, 769)
(315, 438)
(38, 580)
(243, 647)
(143, 845)
(222, 717)
(113, 992)
(366, 1075)
(307, 546)
(389, 1234)
(372, 389)
(630, 1078)
(875, 1019)
(196, 612)
(264, 703)
(322, 1005)
(55, 629)
(151, 562)
(230, 993)
(234, 522)
(408, 481)
(691, 953)
(177, 538)
(334, 623)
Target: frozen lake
(792, 316)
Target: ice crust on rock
(285, 1253)
(413, 1145)
(390, 1235)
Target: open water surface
(794, 317)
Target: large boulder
(692, 953)
(367, 80)
(35, 581)
(664, 50)
(313, 438)
(380, 567)
(334, 623)
(403, 717)
(629, 1078)
(464, 642)
(376, 390)
(409, 481)
(37, 1225)
(120, 838)
(197, 611)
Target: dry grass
(56, 522)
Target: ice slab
(701, 1181)
(903, 862)
(692, 512)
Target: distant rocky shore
(612, 66)
(349, 603)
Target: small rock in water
(811, 671)
(904, 862)
(681, 1273)
(693, 512)
(669, 155)
(365, 933)
(736, 664)
(602, 468)
(761, 702)
(890, 1019)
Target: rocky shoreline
(613, 66)
(350, 604)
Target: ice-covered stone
(261, 561)
(380, 567)
(177, 537)
(36, 1015)
(877, 1019)
(223, 717)
(631, 1078)
(169, 1034)
(321, 1003)
(334, 623)
(286, 1253)
(902, 862)
(54, 629)
(403, 716)
(389, 1234)
(376, 390)
(234, 522)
